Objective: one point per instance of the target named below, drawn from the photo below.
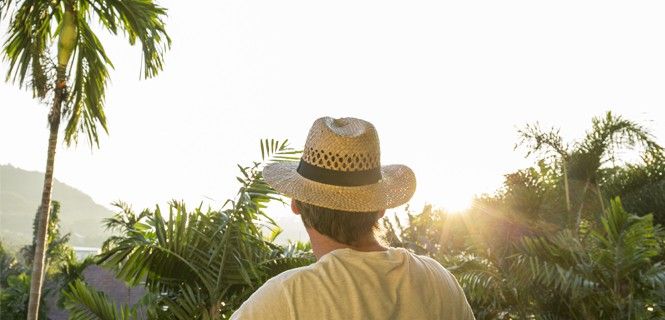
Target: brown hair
(342, 226)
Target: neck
(322, 244)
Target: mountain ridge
(20, 195)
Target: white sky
(445, 82)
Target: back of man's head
(342, 226)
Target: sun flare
(456, 205)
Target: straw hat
(341, 169)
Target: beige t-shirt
(346, 284)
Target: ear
(294, 208)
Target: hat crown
(345, 144)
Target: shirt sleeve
(466, 313)
(463, 309)
(268, 302)
(459, 308)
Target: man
(340, 190)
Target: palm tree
(581, 161)
(76, 79)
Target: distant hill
(20, 194)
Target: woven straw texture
(345, 144)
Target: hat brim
(396, 187)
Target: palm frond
(190, 304)
(138, 19)
(85, 109)
(5, 7)
(153, 248)
(85, 303)
(26, 48)
(610, 133)
(255, 193)
(278, 151)
(538, 140)
(480, 279)
(279, 265)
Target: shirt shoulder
(269, 301)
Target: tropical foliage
(542, 248)
(576, 236)
(8, 266)
(79, 296)
(613, 273)
(14, 280)
(58, 250)
(580, 162)
(14, 297)
(195, 263)
(640, 186)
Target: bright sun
(455, 202)
(452, 201)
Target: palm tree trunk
(578, 219)
(66, 45)
(600, 199)
(36, 282)
(565, 185)
(216, 309)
